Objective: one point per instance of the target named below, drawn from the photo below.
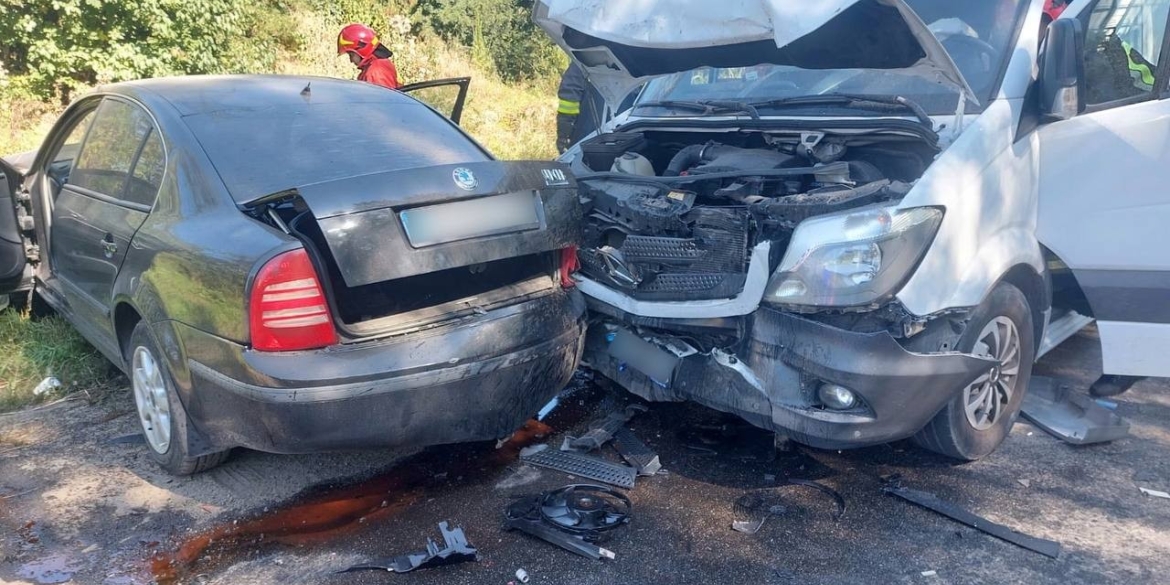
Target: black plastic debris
(456, 550)
(837, 499)
(636, 453)
(932, 502)
(602, 431)
(1070, 416)
(583, 466)
(573, 518)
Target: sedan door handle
(109, 246)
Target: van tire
(955, 433)
(143, 359)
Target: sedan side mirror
(1062, 70)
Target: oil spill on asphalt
(331, 513)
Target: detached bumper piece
(456, 549)
(1069, 416)
(930, 501)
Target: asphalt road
(1086, 498)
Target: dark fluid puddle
(323, 514)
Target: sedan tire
(980, 416)
(159, 409)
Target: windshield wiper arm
(705, 107)
(852, 100)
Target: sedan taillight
(288, 311)
(569, 265)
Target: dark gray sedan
(299, 264)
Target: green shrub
(500, 33)
(62, 45)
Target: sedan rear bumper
(479, 379)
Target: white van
(856, 221)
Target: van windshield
(977, 35)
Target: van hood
(621, 44)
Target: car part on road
(1070, 416)
(585, 509)
(1155, 493)
(840, 501)
(456, 550)
(755, 504)
(522, 575)
(930, 501)
(601, 432)
(1109, 385)
(527, 515)
(584, 466)
(636, 453)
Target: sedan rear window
(262, 151)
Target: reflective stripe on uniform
(1141, 73)
(570, 108)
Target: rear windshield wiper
(868, 102)
(705, 107)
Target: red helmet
(357, 38)
(1054, 8)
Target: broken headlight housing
(853, 259)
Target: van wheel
(159, 409)
(979, 417)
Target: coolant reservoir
(632, 163)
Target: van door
(12, 256)
(1104, 197)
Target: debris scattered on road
(930, 573)
(636, 453)
(602, 431)
(46, 386)
(1070, 416)
(840, 501)
(573, 517)
(522, 575)
(1155, 493)
(932, 502)
(584, 466)
(532, 450)
(456, 550)
(755, 504)
(1024, 482)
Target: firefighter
(579, 110)
(371, 57)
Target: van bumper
(773, 381)
(478, 379)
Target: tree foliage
(500, 34)
(60, 45)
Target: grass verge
(33, 348)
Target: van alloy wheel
(986, 399)
(150, 394)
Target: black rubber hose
(685, 159)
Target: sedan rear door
(110, 191)
(446, 96)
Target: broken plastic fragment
(456, 550)
(1155, 493)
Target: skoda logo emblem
(465, 179)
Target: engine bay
(673, 216)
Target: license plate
(477, 218)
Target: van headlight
(852, 259)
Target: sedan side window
(114, 140)
(1122, 47)
(148, 172)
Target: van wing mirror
(1062, 70)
